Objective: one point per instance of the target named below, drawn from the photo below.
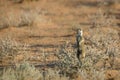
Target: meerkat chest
(79, 38)
(81, 42)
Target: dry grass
(107, 2)
(24, 16)
(25, 71)
(9, 49)
(102, 19)
(18, 18)
(22, 72)
(67, 67)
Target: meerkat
(80, 45)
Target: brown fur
(80, 45)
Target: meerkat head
(79, 31)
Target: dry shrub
(25, 71)
(69, 65)
(103, 43)
(9, 49)
(18, 18)
(92, 74)
(52, 74)
(21, 72)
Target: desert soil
(55, 24)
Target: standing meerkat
(80, 45)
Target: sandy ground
(55, 23)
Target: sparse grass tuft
(18, 18)
(21, 72)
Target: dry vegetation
(33, 52)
